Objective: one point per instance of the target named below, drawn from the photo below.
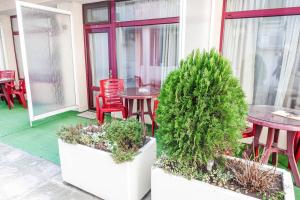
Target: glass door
(99, 60)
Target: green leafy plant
(202, 111)
(122, 138)
(125, 138)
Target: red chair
(20, 92)
(111, 101)
(9, 74)
(154, 115)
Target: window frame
(272, 12)
(112, 26)
(102, 4)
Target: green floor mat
(41, 139)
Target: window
(147, 52)
(146, 9)
(265, 53)
(2, 57)
(96, 13)
(243, 5)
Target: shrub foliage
(202, 110)
(122, 138)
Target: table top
(262, 115)
(5, 80)
(140, 93)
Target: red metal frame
(112, 26)
(253, 14)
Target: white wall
(201, 23)
(8, 42)
(79, 54)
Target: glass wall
(265, 56)
(148, 53)
(16, 37)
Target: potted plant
(111, 161)
(201, 113)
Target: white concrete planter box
(167, 186)
(95, 171)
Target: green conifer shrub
(202, 110)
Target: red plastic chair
(20, 92)
(156, 102)
(9, 74)
(111, 100)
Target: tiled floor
(26, 177)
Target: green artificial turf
(41, 139)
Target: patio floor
(41, 140)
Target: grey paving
(25, 177)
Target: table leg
(291, 156)
(150, 109)
(142, 111)
(255, 145)
(6, 96)
(138, 109)
(268, 147)
(275, 155)
(130, 107)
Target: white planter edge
(182, 188)
(95, 171)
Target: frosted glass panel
(241, 5)
(146, 9)
(99, 56)
(19, 56)
(49, 60)
(2, 58)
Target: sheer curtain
(146, 9)
(239, 47)
(240, 5)
(264, 53)
(147, 52)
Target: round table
(262, 116)
(140, 94)
(4, 81)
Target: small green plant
(125, 138)
(202, 111)
(122, 138)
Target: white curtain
(264, 53)
(147, 52)
(240, 48)
(290, 55)
(146, 9)
(240, 5)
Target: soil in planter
(243, 177)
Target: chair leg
(124, 114)
(153, 127)
(101, 117)
(23, 101)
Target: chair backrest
(7, 74)
(110, 90)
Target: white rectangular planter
(95, 171)
(166, 186)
